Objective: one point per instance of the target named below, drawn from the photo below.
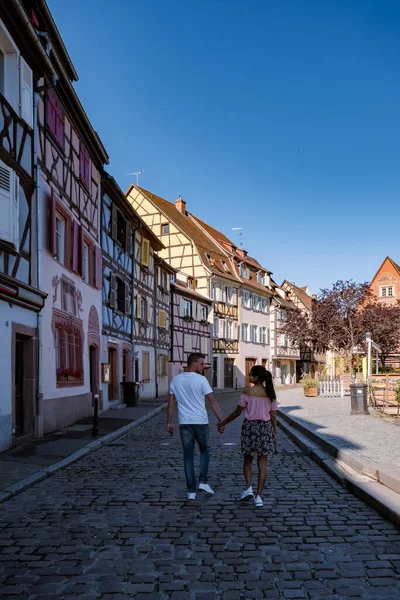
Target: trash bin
(130, 396)
(359, 399)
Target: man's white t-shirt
(189, 390)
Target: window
(9, 205)
(216, 327)
(162, 319)
(263, 335)
(387, 292)
(164, 228)
(245, 332)
(120, 293)
(259, 277)
(282, 340)
(162, 278)
(247, 274)
(187, 308)
(60, 238)
(225, 266)
(68, 296)
(55, 119)
(172, 278)
(254, 334)
(192, 283)
(264, 305)
(255, 302)
(241, 270)
(84, 165)
(143, 309)
(229, 330)
(121, 229)
(204, 345)
(146, 367)
(187, 343)
(68, 344)
(232, 296)
(85, 258)
(204, 313)
(281, 315)
(145, 258)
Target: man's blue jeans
(190, 434)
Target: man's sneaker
(258, 501)
(191, 495)
(204, 487)
(247, 494)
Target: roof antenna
(241, 234)
(137, 173)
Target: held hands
(220, 427)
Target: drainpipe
(155, 325)
(39, 381)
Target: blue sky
(281, 117)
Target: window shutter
(158, 276)
(81, 253)
(114, 214)
(128, 232)
(6, 200)
(148, 312)
(53, 236)
(51, 113)
(138, 306)
(75, 246)
(127, 306)
(234, 297)
(222, 328)
(145, 252)
(113, 285)
(98, 279)
(216, 327)
(235, 330)
(181, 307)
(26, 92)
(168, 282)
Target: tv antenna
(241, 234)
(137, 173)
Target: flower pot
(311, 392)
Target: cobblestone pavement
(365, 436)
(116, 525)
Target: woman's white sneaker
(247, 494)
(191, 495)
(258, 501)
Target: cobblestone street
(116, 525)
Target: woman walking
(258, 429)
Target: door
(228, 372)
(250, 362)
(215, 372)
(92, 369)
(113, 383)
(283, 374)
(19, 386)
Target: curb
(34, 478)
(380, 497)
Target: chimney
(181, 205)
(314, 296)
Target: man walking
(190, 389)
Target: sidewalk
(362, 451)
(28, 463)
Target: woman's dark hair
(265, 377)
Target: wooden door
(215, 372)
(113, 383)
(250, 362)
(228, 372)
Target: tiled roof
(204, 244)
(237, 258)
(300, 293)
(181, 287)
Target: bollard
(95, 428)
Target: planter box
(311, 392)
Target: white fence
(331, 387)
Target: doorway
(113, 383)
(228, 372)
(215, 372)
(24, 383)
(249, 364)
(283, 374)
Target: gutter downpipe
(155, 324)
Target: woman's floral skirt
(258, 438)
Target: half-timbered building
(311, 360)
(21, 296)
(191, 327)
(254, 310)
(284, 353)
(209, 269)
(164, 274)
(148, 307)
(71, 158)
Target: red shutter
(81, 262)
(75, 247)
(98, 275)
(84, 165)
(53, 235)
(51, 113)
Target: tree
(383, 321)
(336, 320)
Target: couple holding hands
(258, 439)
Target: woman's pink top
(257, 408)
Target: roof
(204, 244)
(236, 256)
(181, 287)
(110, 186)
(300, 293)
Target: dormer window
(266, 280)
(247, 273)
(241, 270)
(259, 277)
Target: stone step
(117, 406)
